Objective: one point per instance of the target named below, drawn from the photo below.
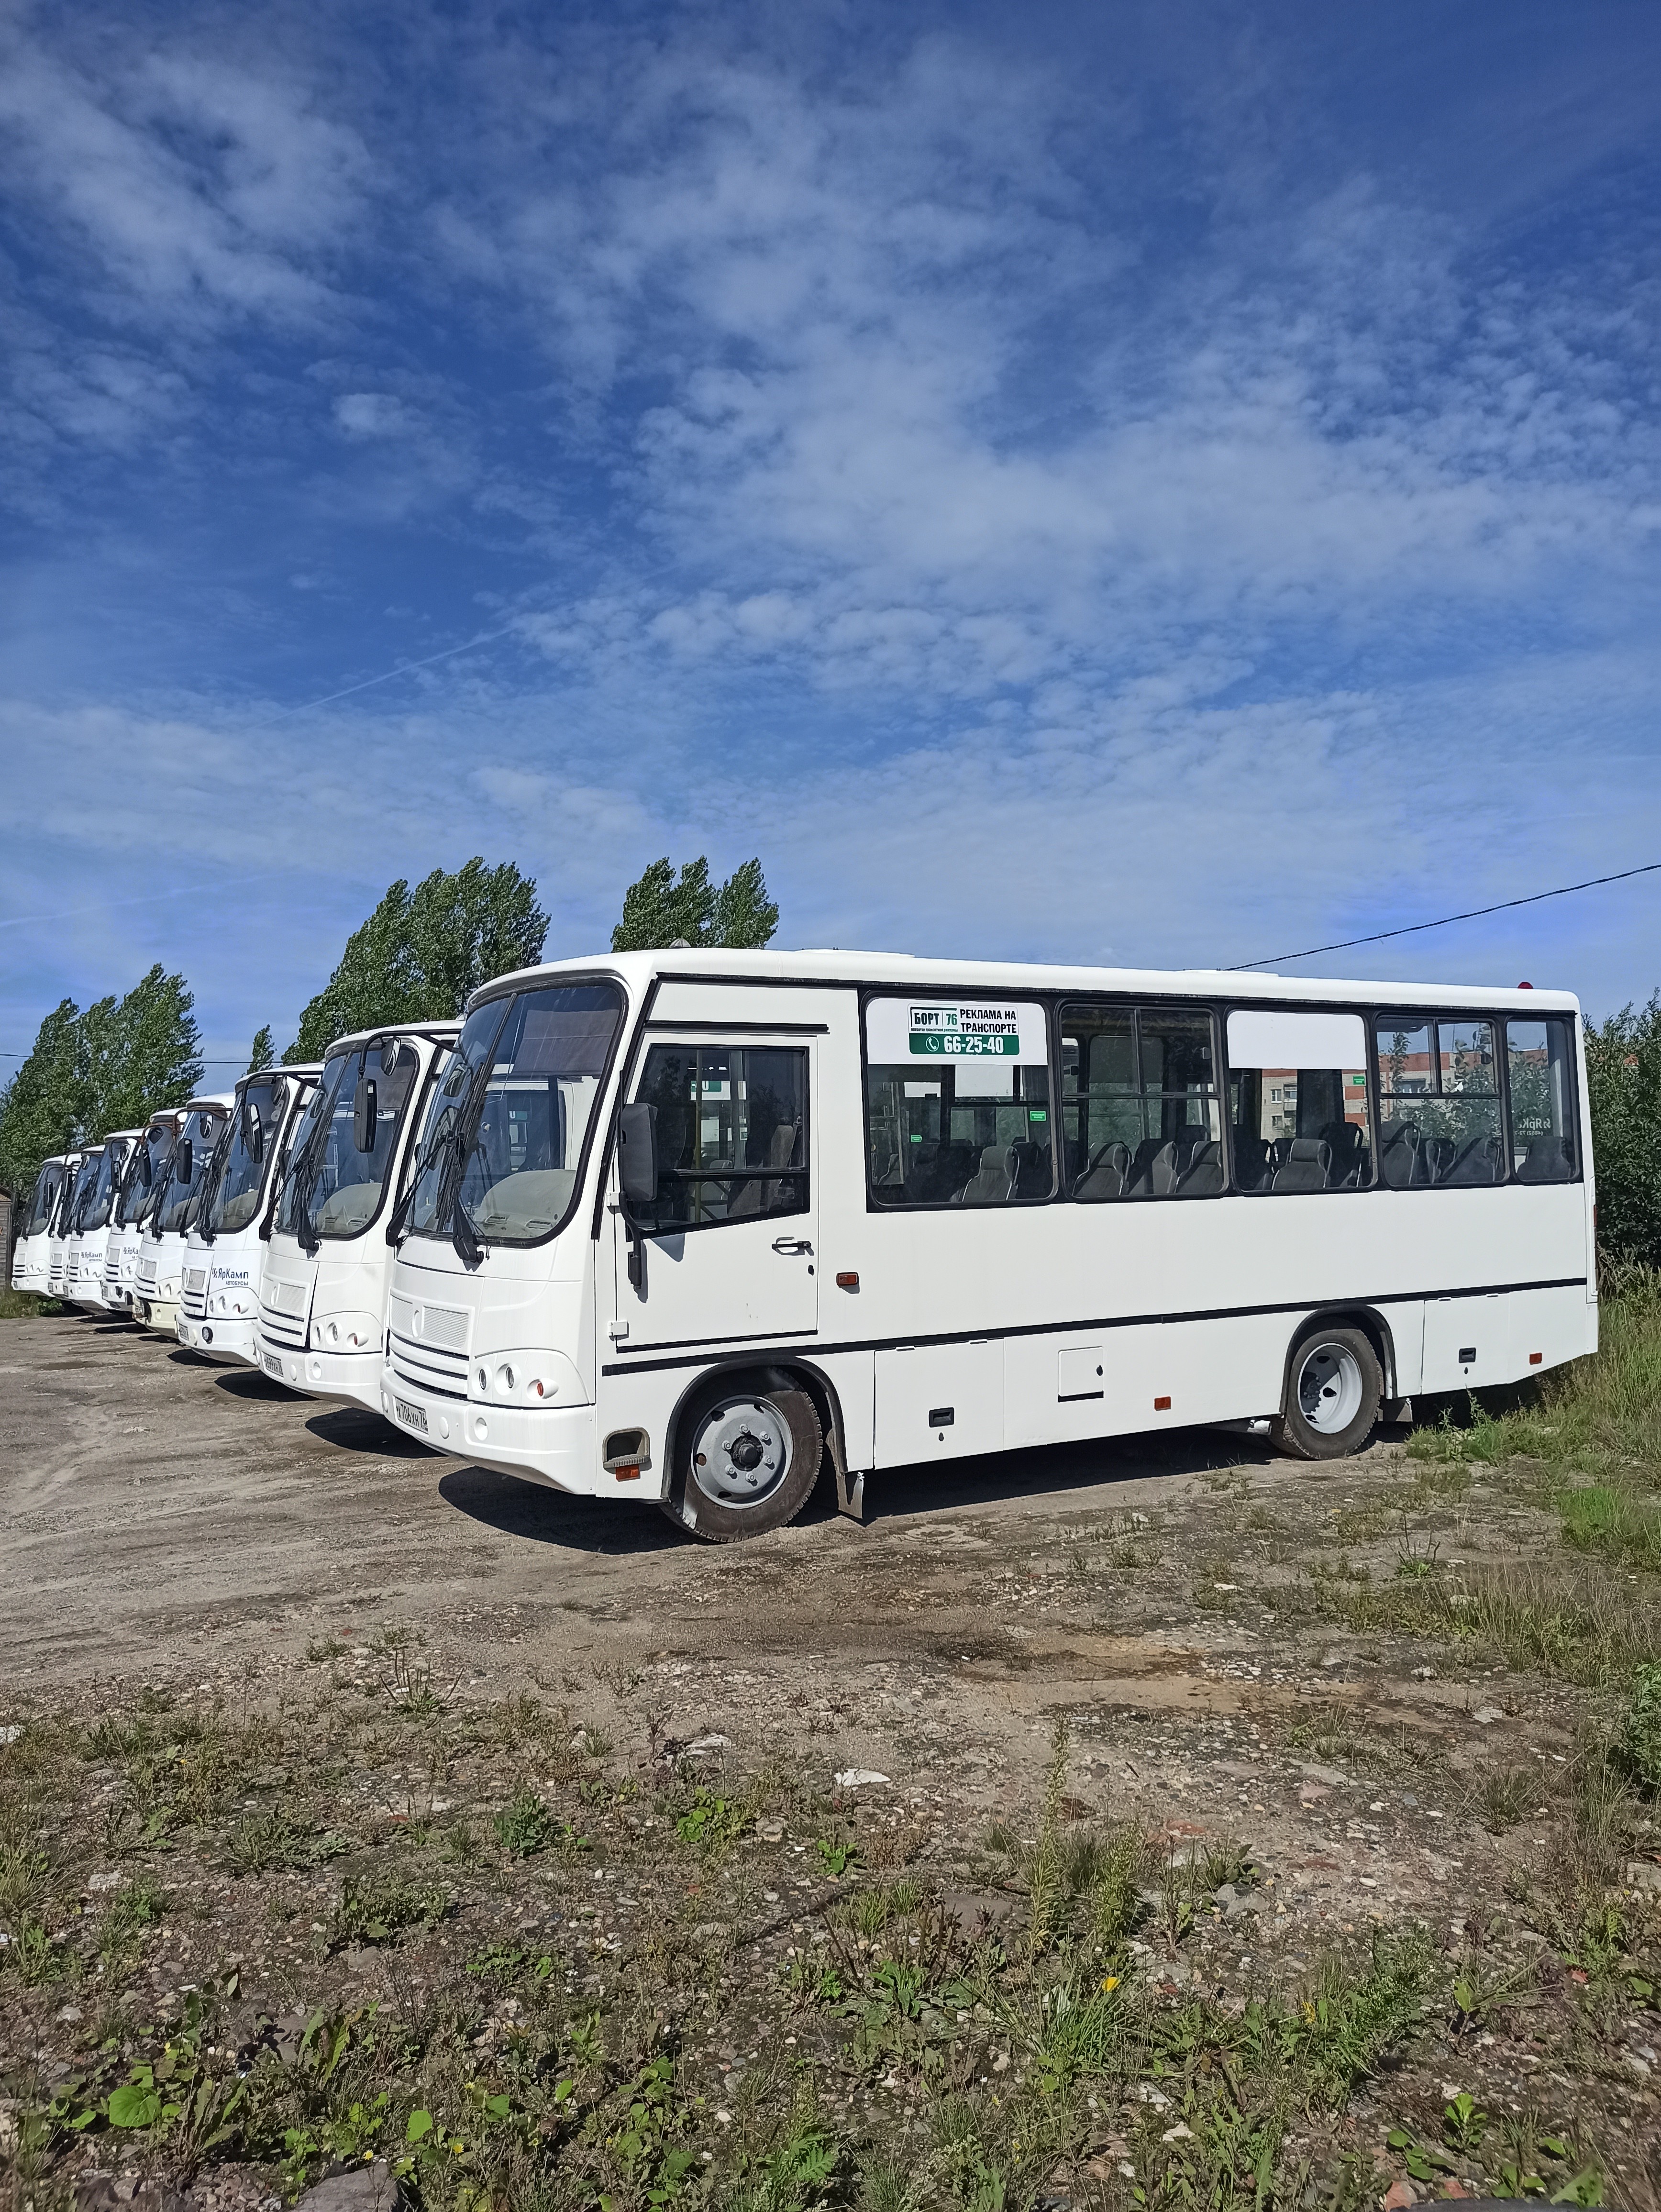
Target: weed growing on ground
(1640, 1728)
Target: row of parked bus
(684, 1226)
(235, 1221)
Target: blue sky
(1145, 483)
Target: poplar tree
(420, 954)
(660, 907)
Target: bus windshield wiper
(448, 1211)
(212, 1177)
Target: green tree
(138, 1053)
(40, 1107)
(263, 1051)
(421, 953)
(1623, 1072)
(108, 1066)
(659, 908)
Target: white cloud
(373, 415)
(195, 190)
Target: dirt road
(1182, 1639)
(157, 1512)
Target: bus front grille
(428, 1367)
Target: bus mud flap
(850, 1491)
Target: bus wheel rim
(1329, 1387)
(741, 1452)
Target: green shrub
(1640, 1733)
(1624, 1074)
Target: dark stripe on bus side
(713, 1346)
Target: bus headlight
(540, 1376)
(348, 1332)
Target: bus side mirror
(637, 1154)
(253, 1134)
(184, 1160)
(364, 1115)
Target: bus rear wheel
(746, 1459)
(1333, 1386)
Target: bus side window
(731, 1132)
(1539, 1072)
(1297, 1101)
(956, 1103)
(1438, 1102)
(1140, 1111)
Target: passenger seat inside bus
(1405, 1167)
(1307, 1166)
(1348, 1143)
(1203, 1176)
(989, 1184)
(1106, 1173)
(1545, 1160)
(1478, 1160)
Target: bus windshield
(253, 1141)
(102, 1194)
(148, 1162)
(86, 1181)
(45, 1190)
(522, 1126)
(197, 1136)
(332, 1188)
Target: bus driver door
(723, 1252)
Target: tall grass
(1599, 1412)
(1598, 1418)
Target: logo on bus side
(966, 1032)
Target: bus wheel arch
(1339, 1368)
(745, 1448)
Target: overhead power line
(1473, 914)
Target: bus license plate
(413, 1417)
(273, 1365)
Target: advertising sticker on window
(901, 1029)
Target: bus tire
(747, 1453)
(1334, 1387)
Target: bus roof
(438, 1032)
(311, 1069)
(1008, 977)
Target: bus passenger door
(727, 1252)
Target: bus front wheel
(747, 1457)
(1334, 1387)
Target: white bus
(158, 1278)
(78, 1173)
(147, 1164)
(329, 1260)
(30, 1254)
(685, 1221)
(219, 1302)
(89, 1247)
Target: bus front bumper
(352, 1378)
(228, 1342)
(557, 1446)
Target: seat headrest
(1311, 1148)
(991, 1158)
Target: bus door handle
(791, 1244)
